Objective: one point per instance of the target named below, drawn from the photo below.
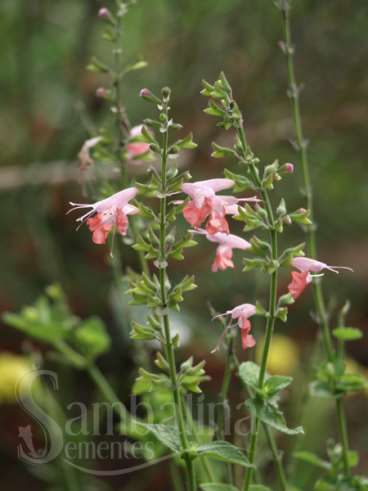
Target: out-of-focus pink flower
(288, 168)
(224, 252)
(136, 149)
(104, 12)
(108, 214)
(299, 282)
(241, 314)
(84, 155)
(145, 93)
(206, 204)
(101, 92)
(306, 264)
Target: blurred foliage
(48, 108)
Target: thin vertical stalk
(179, 416)
(319, 301)
(308, 190)
(271, 317)
(343, 435)
(276, 457)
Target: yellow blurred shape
(13, 368)
(283, 356)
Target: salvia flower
(108, 214)
(205, 204)
(226, 244)
(302, 278)
(241, 314)
(306, 264)
(136, 149)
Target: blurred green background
(48, 106)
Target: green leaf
(259, 487)
(186, 143)
(168, 435)
(347, 333)
(312, 459)
(91, 338)
(269, 413)
(249, 373)
(220, 152)
(213, 486)
(275, 383)
(225, 452)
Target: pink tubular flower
(241, 314)
(224, 252)
(306, 264)
(136, 148)
(205, 204)
(302, 278)
(107, 214)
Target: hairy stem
(169, 349)
(276, 457)
(271, 317)
(319, 301)
(308, 190)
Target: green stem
(179, 416)
(220, 423)
(271, 317)
(311, 231)
(343, 435)
(302, 145)
(108, 392)
(276, 457)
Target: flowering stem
(308, 190)
(271, 316)
(169, 349)
(311, 230)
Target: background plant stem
(310, 231)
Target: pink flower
(224, 252)
(136, 148)
(288, 168)
(84, 155)
(299, 282)
(241, 314)
(306, 264)
(206, 204)
(302, 278)
(104, 13)
(101, 92)
(108, 214)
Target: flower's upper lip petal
(217, 184)
(119, 199)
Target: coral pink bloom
(241, 314)
(224, 252)
(108, 214)
(136, 148)
(299, 282)
(306, 264)
(206, 204)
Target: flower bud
(288, 168)
(104, 13)
(166, 92)
(101, 92)
(147, 95)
